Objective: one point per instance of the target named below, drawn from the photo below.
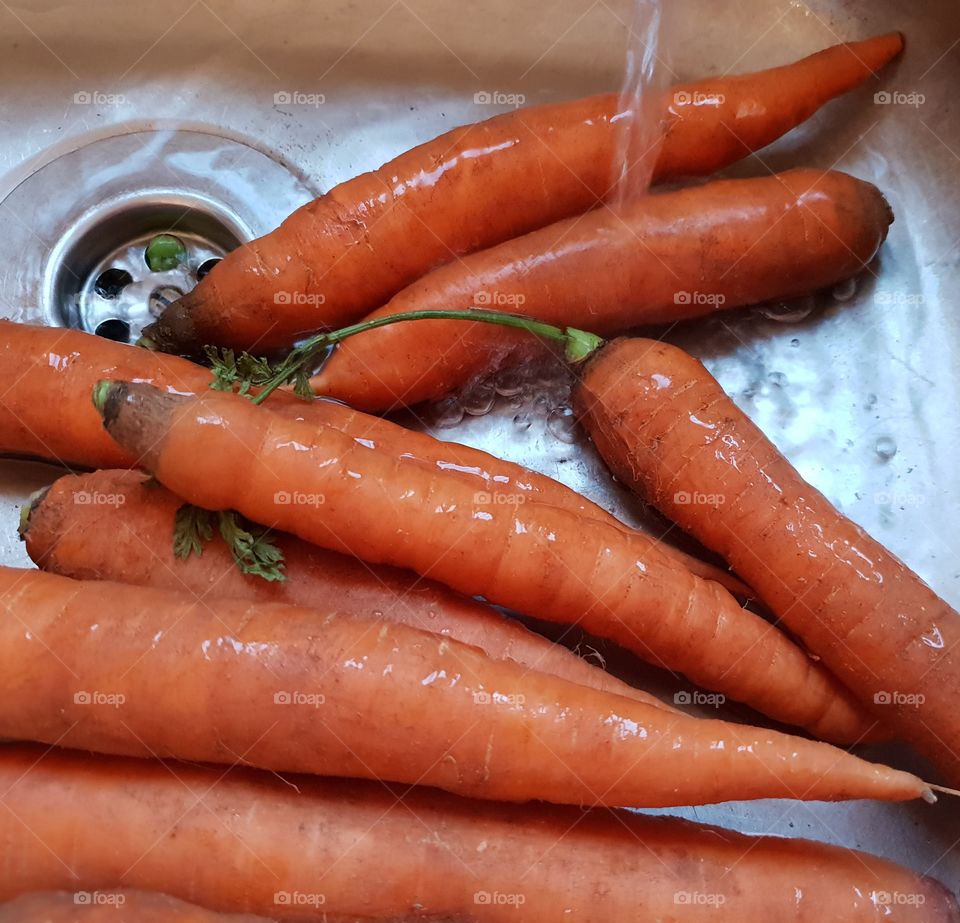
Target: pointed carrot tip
(896, 41)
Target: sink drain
(99, 278)
(108, 235)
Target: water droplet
(777, 379)
(789, 312)
(886, 448)
(562, 424)
(794, 342)
(844, 291)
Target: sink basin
(243, 111)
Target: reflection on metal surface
(859, 391)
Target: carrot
(64, 365)
(664, 258)
(43, 414)
(219, 451)
(119, 905)
(250, 842)
(111, 525)
(139, 671)
(501, 480)
(347, 252)
(666, 427)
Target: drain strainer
(106, 236)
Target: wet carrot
(667, 428)
(47, 369)
(139, 671)
(62, 426)
(219, 451)
(664, 258)
(111, 525)
(251, 842)
(117, 905)
(347, 252)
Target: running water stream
(646, 78)
(539, 391)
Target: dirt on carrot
(219, 451)
(305, 843)
(117, 525)
(666, 427)
(349, 251)
(661, 259)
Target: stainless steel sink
(857, 386)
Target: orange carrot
(219, 451)
(64, 365)
(119, 905)
(111, 525)
(139, 671)
(42, 413)
(667, 428)
(347, 252)
(664, 258)
(254, 843)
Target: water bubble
(777, 379)
(844, 291)
(522, 421)
(562, 424)
(480, 399)
(885, 448)
(447, 412)
(794, 342)
(789, 312)
(509, 382)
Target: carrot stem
(577, 344)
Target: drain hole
(114, 329)
(161, 297)
(111, 282)
(204, 268)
